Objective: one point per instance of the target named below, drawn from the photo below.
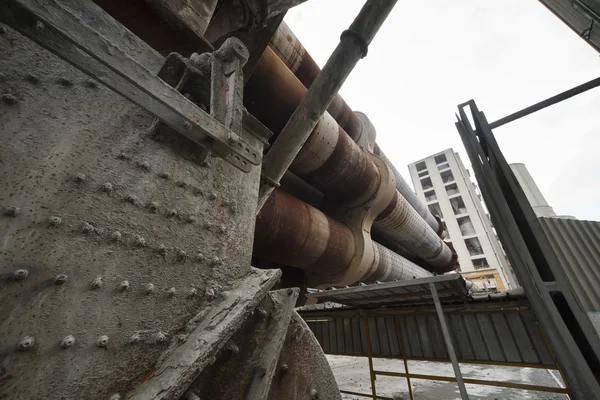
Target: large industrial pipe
(290, 232)
(293, 54)
(332, 162)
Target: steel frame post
(448, 341)
(371, 373)
(401, 340)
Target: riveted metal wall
(577, 246)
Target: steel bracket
(55, 27)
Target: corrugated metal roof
(581, 16)
(577, 246)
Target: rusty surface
(290, 232)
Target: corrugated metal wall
(577, 246)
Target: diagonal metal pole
(353, 46)
(448, 340)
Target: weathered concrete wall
(99, 198)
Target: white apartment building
(444, 184)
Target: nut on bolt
(60, 279)
(67, 341)
(102, 341)
(54, 220)
(124, 286)
(232, 138)
(20, 274)
(135, 338)
(97, 283)
(150, 288)
(26, 343)
(12, 211)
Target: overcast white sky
(431, 55)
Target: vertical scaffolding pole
(449, 345)
(371, 372)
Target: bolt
(123, 156)
(87, 228)
(149, 288)
(171, 292)
(172, 213)
(124, 286)
(107, 187)
(222, 229)
(26, 343)
(2, 30)
(32, 78)
(199, 257)
(164, 175)
(39, 25)
(9, 98)
(207, 226)
(140, 241)
(80, 178)
(192, 396)
(115, 396)
(314, 395)
(181, 255)
(130, 198)
(290, 291)
(97, 283)
(212, 196)
(66, 82)
(102, 341)
(60, 279)
(153, 206)
(187, 125)
(145, 165)
(190, 219)
(12, 211)
(181, 184)
(261, 372)
(232, 138)
(261, 313)
(54, 221)
(210, 293)
(160, 337)
(162, 249)
(216, 261)
(181, 338)
(298, 333)
(135, 338)
(67, 341)
(116, 236)
(232, 348)
(20, 274)
(284, 368)
(193, 292)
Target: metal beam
(59, 30)
(448, 341)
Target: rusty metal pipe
(295, 56)
(291, 232)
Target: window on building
(480, 263)
(435, 209)
(458, 205)
(443, 166)
(466, 226)
(447, 176)
(426, 184)
(440, 159)
(452, 189)
(430, 196)
(421, 166)
(474, 246)
(424, 173)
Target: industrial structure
(178, 175)
(444, 184)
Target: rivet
(20, 274)
(80, 178)
(207, 226)
(107, 187)
(39, 25)
(232, 348)
(314, 395)
(124, 286)
(91, 83)
(140, 241)
(284, 368)
(210, 293)
(66, 82)
(181, 255)
(123, 156)
(150, 288)
(97, 283)
(164, 175)
(181, 338)
(172, 213)
(60, 279)
(190, 219)
(9, 98)
(153, 206)
(145, 165)
(88, 228)
(215, 261)
(54, 221)
(171, 292)
(162, 249)
(12, 211)
(212, 196)
(102, 341)
(193, 292)
(261, 313)
(116, 236)
(222, 229)
(160, 337)
(26, 343)
(67, 341)
(187, 125)
(32, 78)
(115, 396)
(199, 257)
(135, 338)
(131, 198)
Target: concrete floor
(352, 373)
